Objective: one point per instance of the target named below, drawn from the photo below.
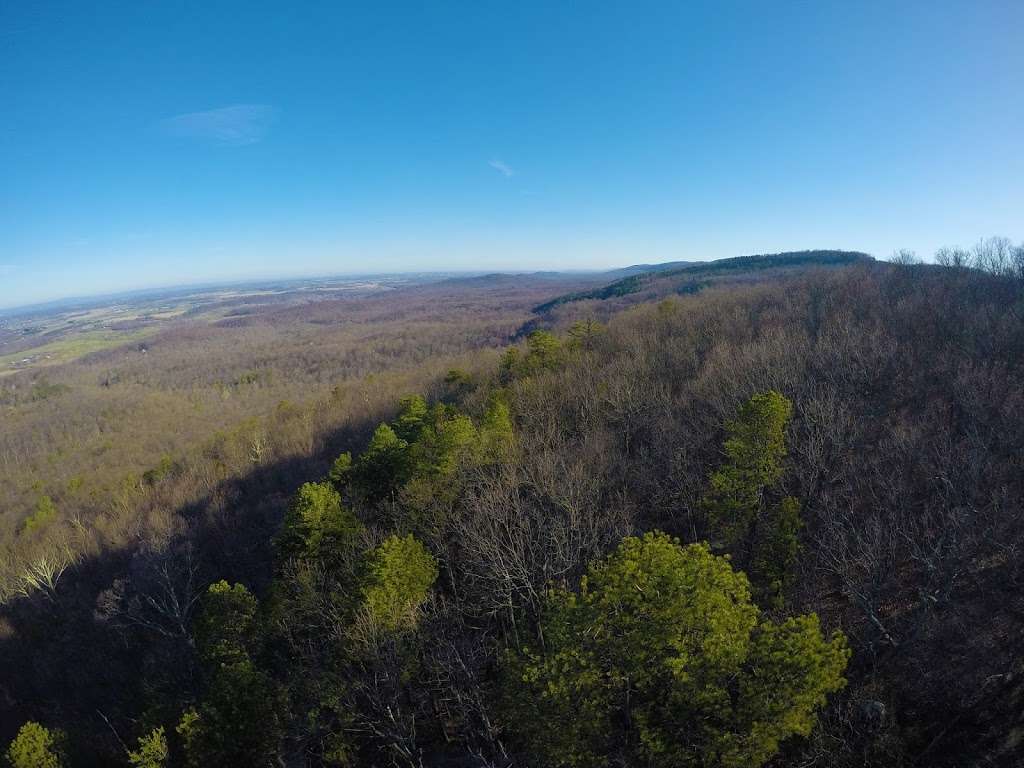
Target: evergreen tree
(400, 573)
(238, 719)
(497, 435)
(316, 525)
(762, 534)
(226, 626)
(413, 416)
(754, 452)
(237, 722)
(36, 746)
(151, 752)
(448, 441)
(662, 660)
(776, 546)
(45, 512)
(543, 351)
(458, 378)
(341, 471)
(384, 466)
(583, 335)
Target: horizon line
(72, 298)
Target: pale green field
(67, 336)
(65, 350)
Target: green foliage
(400, 573)
(776, 547)
(584, 334)
(159, 472)
(151, 752)
(667, 308)
(444, 443)
(189, 732)
(341, 471)
(754, 452)
(36, 746)
(385, 464)
(238, 722)
(497, 435)
(662, 660)
(249, 378)
(790, 670)
(457, 377)
(544, 352)
(336, 692)
(44, 514)
(308, 607)
(316, 525)
(226, 625)
(688, 289)
(763, 535)
(622, 287)
(509, 364)
(449, 442)
(412, 417)
(438, 440)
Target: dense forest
(763, 513)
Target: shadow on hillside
(68, 661)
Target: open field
(66, 350)
(33, 338)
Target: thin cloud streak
(235, 125)
(502, 168)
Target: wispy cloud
(502, 168)
(235, 125)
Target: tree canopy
(36, 746)
(151, 751)
(661, 659)
(744, 509)
(754, 449)
(237, 720)
(400, 573)
(316, 525)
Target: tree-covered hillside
(652, 281)
(773, 521)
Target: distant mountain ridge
(637, 276)
(639, 269)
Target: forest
(760, 511)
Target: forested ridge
(773, 521)
(665, 279)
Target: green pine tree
(385, 465)
(316, 526)
(400, 573)
(661, 659)
(742, 505)
(36, 746)
(152, 750)
(238, 720)
(755, 449)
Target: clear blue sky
(148, 143)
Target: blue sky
(152, 143)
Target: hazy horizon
(269, 279)
(154, 146)
(285, 277)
